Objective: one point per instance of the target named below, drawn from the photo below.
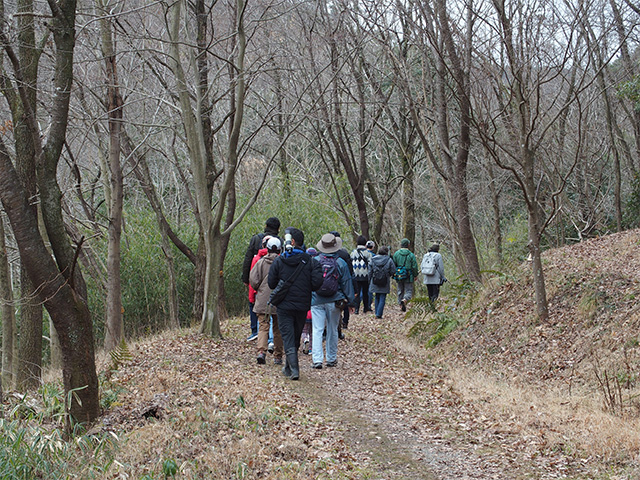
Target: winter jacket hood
(308, 280)
(385, 263)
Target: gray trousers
(405, 291)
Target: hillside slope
(504, 396)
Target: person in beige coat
(258, 280)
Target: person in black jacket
(271, 228)
(292, 311)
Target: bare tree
(60, 283)
(7, 315)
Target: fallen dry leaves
(504, 397)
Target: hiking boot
(262, 359)
(277, 361)
(317, 366)
(292, 364)
(305, 347)
(334, 363)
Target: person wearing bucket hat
(406, 272)
(301, 275)
(328, 301)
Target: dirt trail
(385, 409)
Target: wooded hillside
(501, 396)
(143, 143)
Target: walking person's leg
(333, 318)
(263, 335)
(318, 321)
(254, 323)
(278, 345)
(381, 298)
(287, 330)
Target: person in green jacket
(406, 273)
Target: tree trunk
(114, 323)
(542, 308)
(408, 199)
(7, 315)
(30, 335)
(67, 307)
(495, 204)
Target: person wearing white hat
(258, 280)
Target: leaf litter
(472, 408)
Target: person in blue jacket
(325, 310)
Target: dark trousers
(345, 316)
(254, 320)
(362, 287)
(434, 291)
(291, 323)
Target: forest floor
(504, 396)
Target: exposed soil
(478, 406)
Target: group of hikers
(300, 295)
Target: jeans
(254, 320)
(321, 315)
(381, 298)
(405, 291)
(270, 329)
(291, 323)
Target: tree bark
(67, 307)
(7, 315)
(114, 323)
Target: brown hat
(329, 243)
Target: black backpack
(330, 276)
(379, 274)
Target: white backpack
(428, 264)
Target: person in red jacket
(258, 281)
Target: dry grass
(553, 419)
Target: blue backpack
(330, 276)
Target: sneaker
(403, 305)
(332, 364)
(262, 359)
(305, 347)
(277, 361)
(378, 317)
(252, 337)
(318, 366)
(271, 347)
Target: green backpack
(401, 274)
